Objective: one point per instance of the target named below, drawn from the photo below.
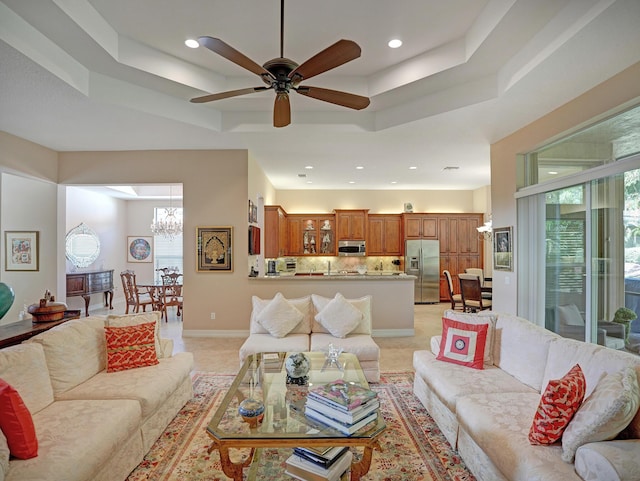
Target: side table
(17, 332)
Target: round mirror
(82, 246)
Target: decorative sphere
(252, 411)
(297, 365)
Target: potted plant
(624, 316)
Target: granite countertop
(319, 276)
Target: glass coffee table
(283, 423)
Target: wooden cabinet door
(275, 232)
(295, 227)
(283, 234)
(351, 224)
(429, 228)
(375, 238)
(393, 244)
(412, 227)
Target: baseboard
(214, 333)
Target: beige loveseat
(275, 327)
(487, 414)
(91, 425)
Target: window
(168, 253)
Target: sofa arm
(610, 460)
(166, 345)
(435, 344)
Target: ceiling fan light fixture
(191, 43)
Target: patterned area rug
(413, 448)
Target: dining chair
(171, 293)
(135, 296)
(454, 298)
(476, 271)
(471, 291)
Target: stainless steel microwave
(351, 248)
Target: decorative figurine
(297, 366)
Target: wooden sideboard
(17, 332)
(86, 283)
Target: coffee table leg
(361, 468)
(233, 470)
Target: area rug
(413, 448)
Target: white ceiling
(115, 75)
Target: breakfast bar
(392, 294)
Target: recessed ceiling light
(413, 167)
(352, 181)
(308, 167)
(309, 182)
(395, 43)
(552, 172)
(359, 167)
(394, 181)
(191, 43)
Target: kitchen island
(391, 293)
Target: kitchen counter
(392, 294)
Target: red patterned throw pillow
(560, 401)
(463, 343)
(16, 423)
(130, 347)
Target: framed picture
(502, 249)
(139, 249)
(21, 250)
(250, 211)
(214, 247)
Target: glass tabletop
(264, 377)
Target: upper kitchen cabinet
(312, 235)
(420, 226)
(351, 224)
(276, 239)
(384, 235)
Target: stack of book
(320, 464)
(343, 406)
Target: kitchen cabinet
(351, 224)
(420, 226)
(312, 234)
(384, 235)
(276, 239)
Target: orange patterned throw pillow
(560, 401)
(16, 423)
(130, 347)
(463, 343)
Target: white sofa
(267, 334)
(486, 414)
(91, 425)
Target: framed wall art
(139, 249)
(214, 249)
(502, 249)
(21, 250)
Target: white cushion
(362, 345)
(606, 412)
(339, 317)
(279, 317)
(135, 319)
(303, 304)
(479, 318)
(267, 343)
(363, 304)
(569, 315)
(4, 456)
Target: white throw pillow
(339, 317)
(279, 316)
(477, 318)
(303, 304)
(135, 319)
(363, 304)
(605, 413)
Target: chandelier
(486, 230)
(168, 226)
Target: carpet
(413, 448)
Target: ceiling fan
(283, 75)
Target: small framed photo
(21, 250)
(502, 249)
(214, 249)
(139, 249)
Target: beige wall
(616, 94)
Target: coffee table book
(323, 457)
(307, 471)
(347, 417)
(343, 395)
(347, 429)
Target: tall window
(168, 253)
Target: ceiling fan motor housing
(280, 68)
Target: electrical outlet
(213, 315)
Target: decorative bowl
(252, 411)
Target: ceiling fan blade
(227, 51)
(339, 53)
(281, 110)
(337, 97)
(228, 94)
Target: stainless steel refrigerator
(422, 259)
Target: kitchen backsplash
(338, 264)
